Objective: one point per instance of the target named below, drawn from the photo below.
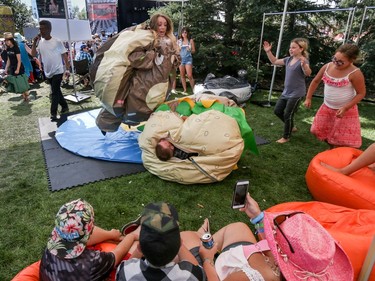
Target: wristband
(258, 218)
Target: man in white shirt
(52, 52)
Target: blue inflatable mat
(80, 135)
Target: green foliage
(227, 34)
(21, 13)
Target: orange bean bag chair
(355, 191)
(31, 273)
(353, 229)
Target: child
(161, 245)
(67, 255)
(296, 69)
(337, 120)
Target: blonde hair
(303, 44)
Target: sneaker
(54, 118)
(173, 91)
(184, 93)
(131, 226)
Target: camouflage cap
(160, 216)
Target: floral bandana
(73, 225)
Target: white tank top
(337, 91)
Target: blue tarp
(80, 135)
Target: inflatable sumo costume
(355, 191)
(352, 229)
(130, 75)
(216, 132)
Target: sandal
(131, 226)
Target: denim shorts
(187, 60)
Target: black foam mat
(67, 170)
(260, 141)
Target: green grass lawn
(28, 208)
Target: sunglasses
(277, 221)
(337, 62)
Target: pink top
(337, 91)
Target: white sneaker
(173, 91)
(184, 93)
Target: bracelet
(209, 260)
(258, 218)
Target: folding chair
(81, 69)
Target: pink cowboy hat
(303, 249)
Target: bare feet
(25, 96)
(282, 140)
(205, 227)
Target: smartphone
(239, 194)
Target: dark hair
(159, 248)
(14, 42)
(46, 23)
(350, 51)
(162, 153)
(187, 31)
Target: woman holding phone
(287, 250)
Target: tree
(21, 13)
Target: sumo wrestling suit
(130, 76)
(214, 127)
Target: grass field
(27, 207)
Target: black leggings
(285, 109)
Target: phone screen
(239, 194)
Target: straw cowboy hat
(8, 35)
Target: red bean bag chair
(355, 191)
(31, 273)
(353, 229)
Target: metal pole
(278, 50)
(362, 22)
(260, 47)
(309, 11)
(182, 14)
(70, 48)
(348, 25)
